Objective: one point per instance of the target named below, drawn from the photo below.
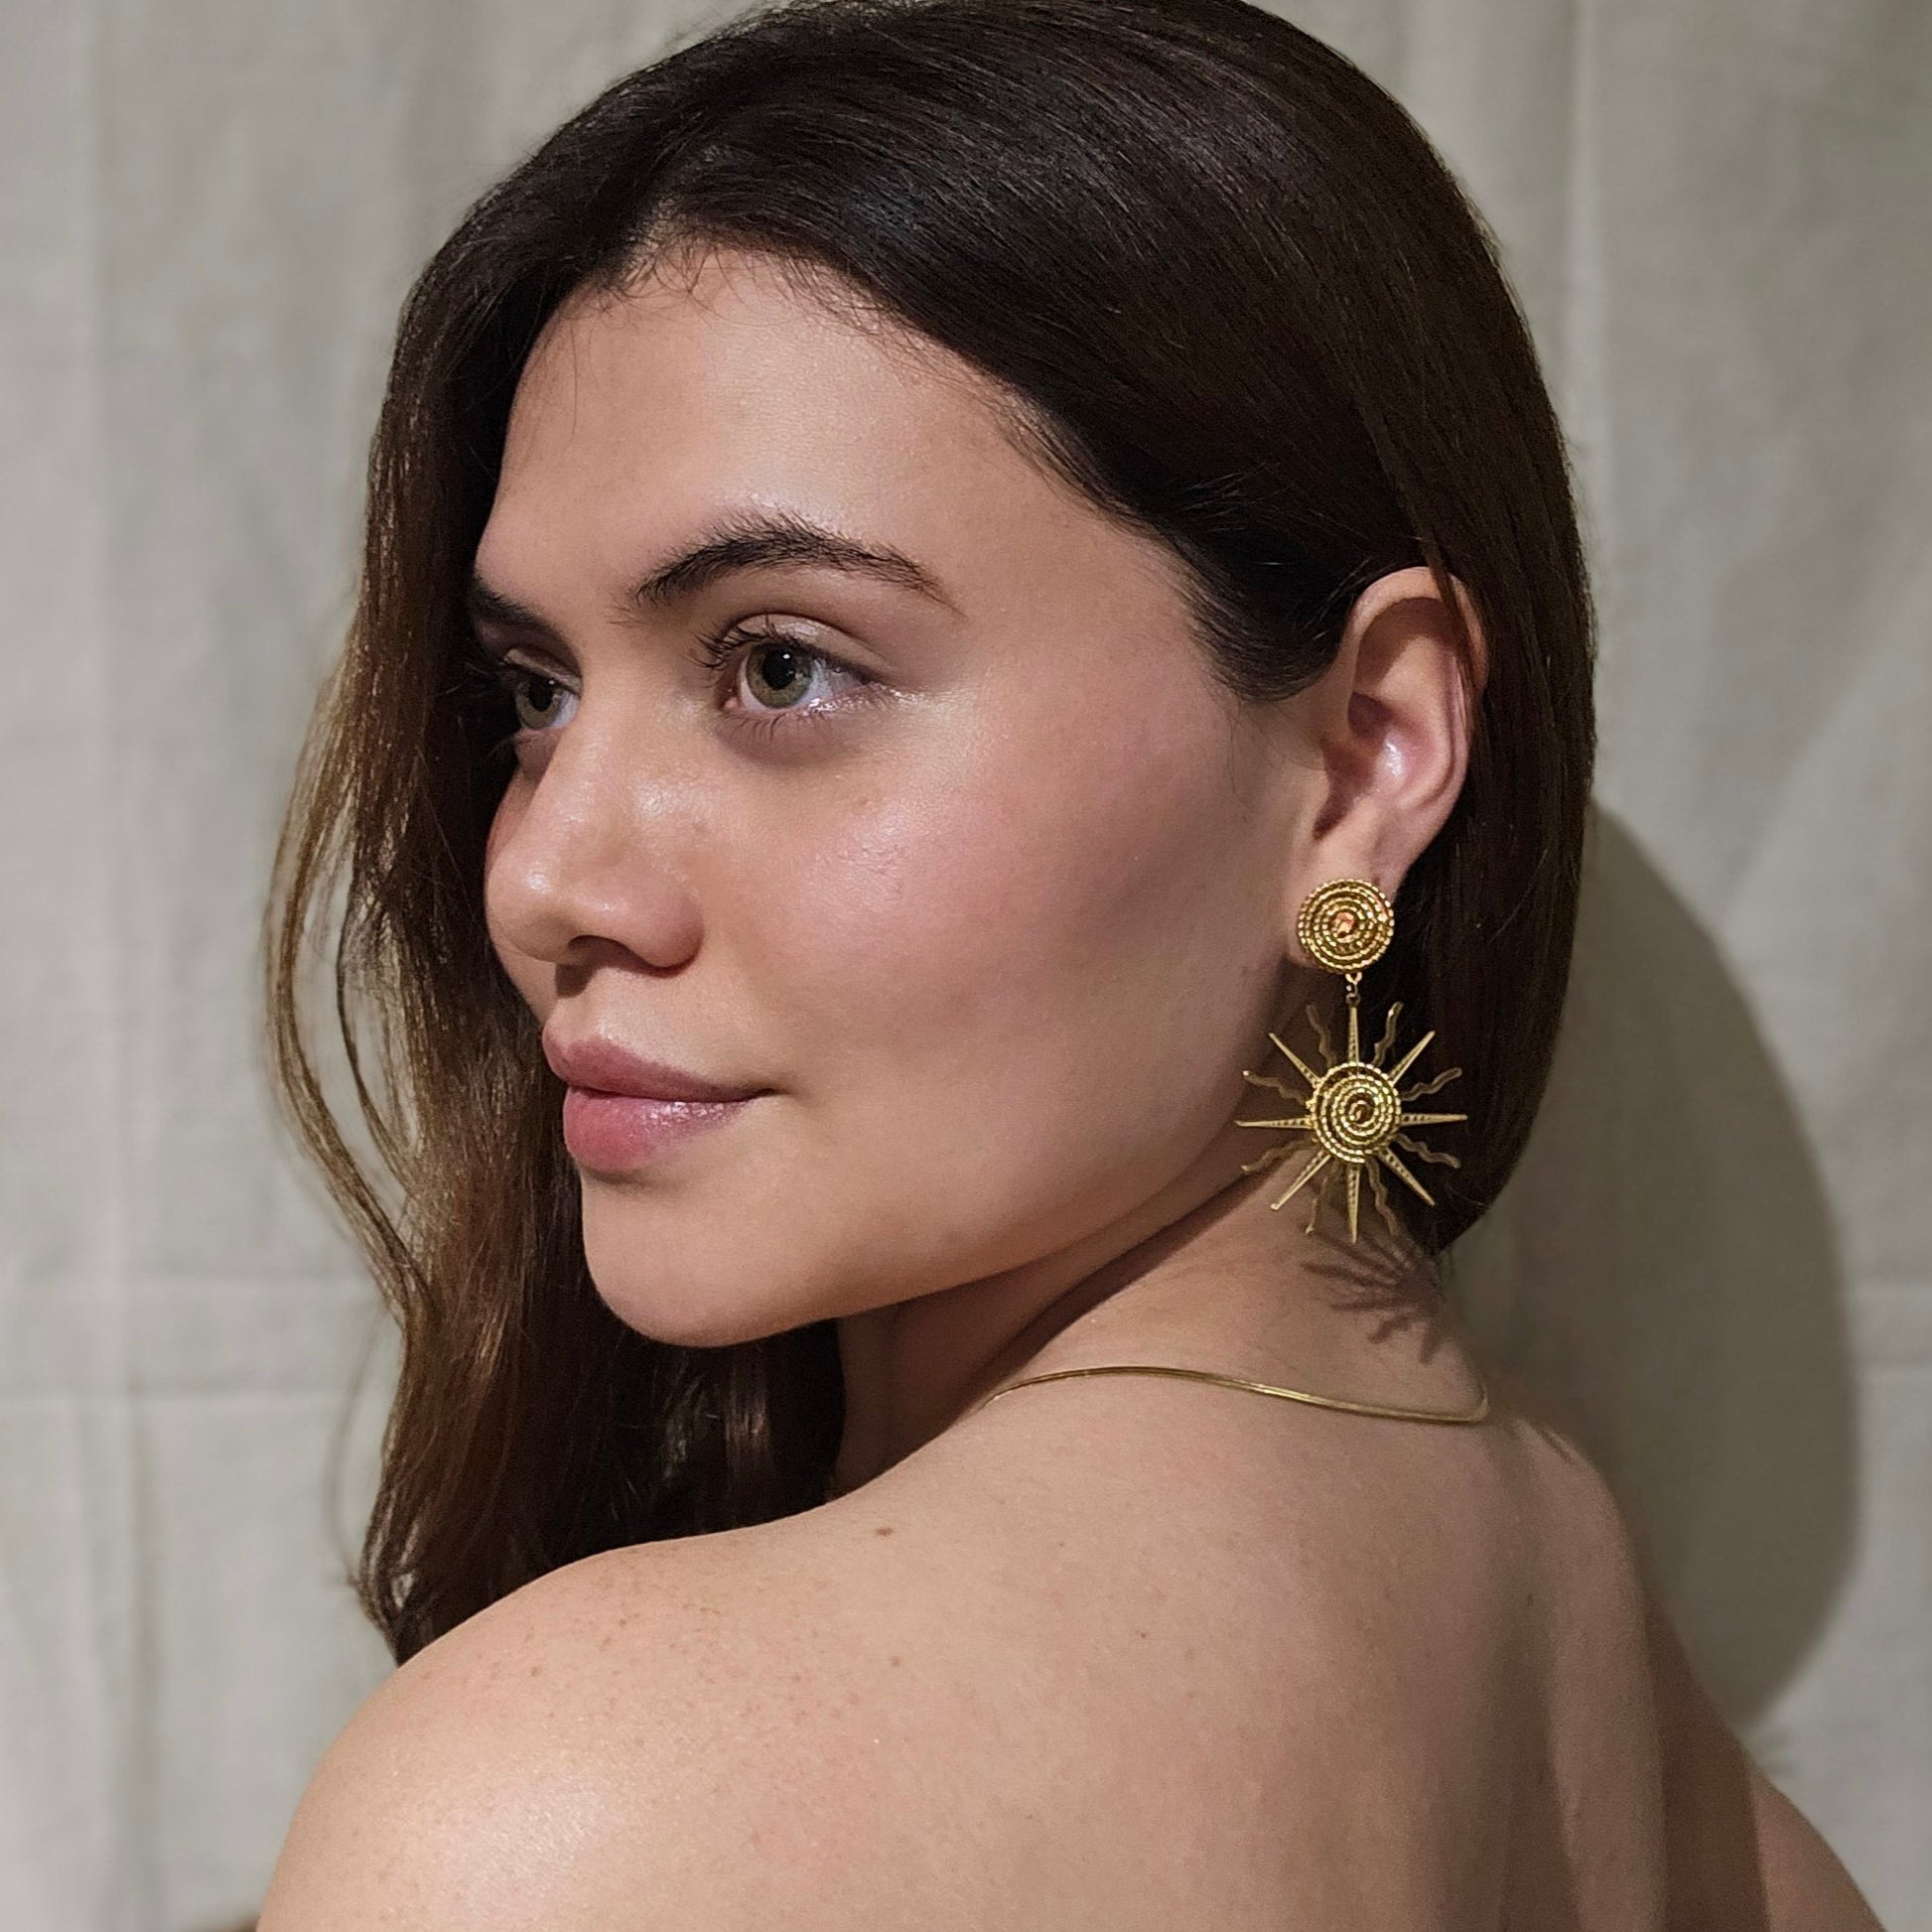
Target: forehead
(732, 376)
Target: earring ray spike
(1301, 1065)
(1409, 1058)
(1354, 1110)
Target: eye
(505, 702)
(537, 698)
(777, 672)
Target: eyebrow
(756, 540)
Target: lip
(602, 1066)
(614, 1133)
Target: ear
(1390, 719)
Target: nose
(590, 852)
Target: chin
(646, 1308)
(668, 1298)
(667, 1310)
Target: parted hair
(1238, 299)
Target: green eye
(777, 672)
(537, 699)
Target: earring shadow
(1662, 1268)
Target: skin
(999, 929)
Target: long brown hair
(1236, 298)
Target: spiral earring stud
(1355, 1108)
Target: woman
(962, 762)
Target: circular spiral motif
(1345, 924)
(1356, 1111)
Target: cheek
(1022, 976)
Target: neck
(1205, 1275)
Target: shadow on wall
(1663, 1267)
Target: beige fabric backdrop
(1719, 1249)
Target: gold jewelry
(1354, 1106)
(1260, 1388)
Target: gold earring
(1356, 1109)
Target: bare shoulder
(527, 1767)
(1013, 1681)
(777, 1721)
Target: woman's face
(977, 875)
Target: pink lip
(604, 1066)
(612, 1133)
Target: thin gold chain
(1260, 1388)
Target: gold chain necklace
(1260, 1388)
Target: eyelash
(487, 680)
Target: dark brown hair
(1238, 299)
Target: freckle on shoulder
(555, 1719)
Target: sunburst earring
(1355, 1110)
